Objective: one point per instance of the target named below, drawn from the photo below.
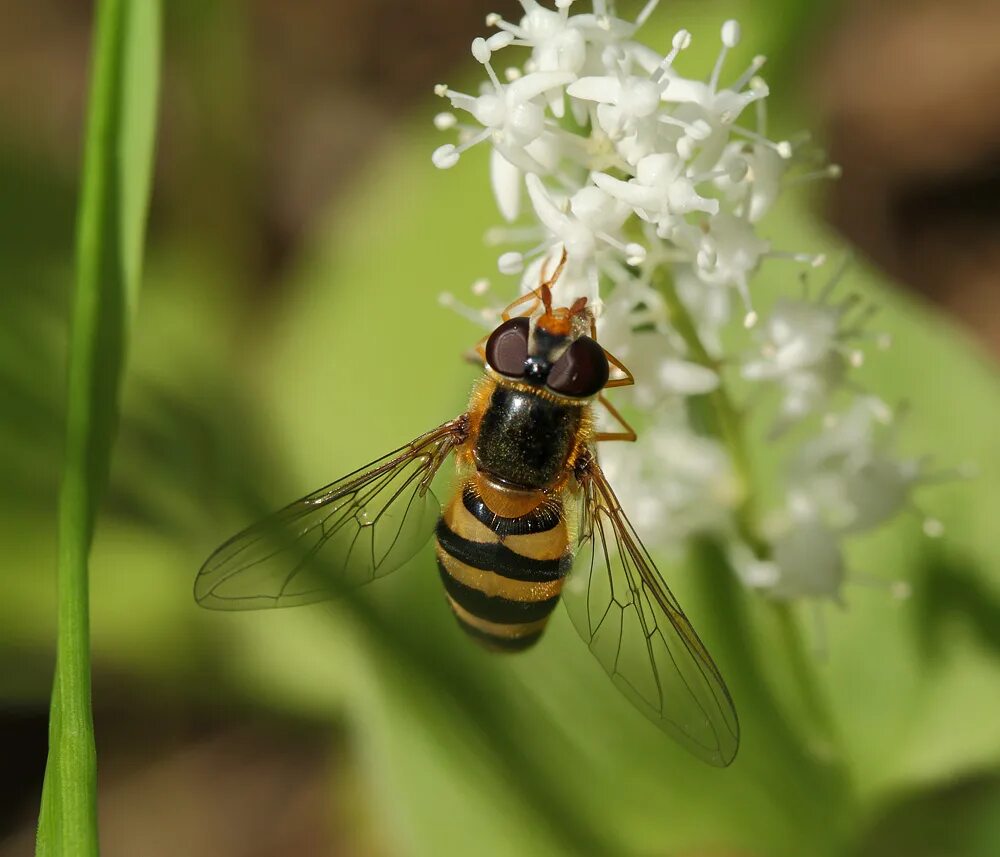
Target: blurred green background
(299, 237)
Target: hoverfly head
(552, 350)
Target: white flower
(727, 253)
(796, 335)
(850, 475)
(627, 105)
(710, 306)
(660, 192)
(634, 326)
(586, 225)
(655, 185)
(805, 348)
(677, 484)
(808, 561)
(510, 115)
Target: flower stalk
(728, 421)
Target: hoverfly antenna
(546, 295)
(545, 287)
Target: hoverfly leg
(627, 381)
(628, 434)
(548, 282)
(477, 354)
(536, 295)
(507, 314)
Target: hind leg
(627, 434)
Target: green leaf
(110, 226)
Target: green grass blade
(110, 226)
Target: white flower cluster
(646, 177)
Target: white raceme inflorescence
(656, 184)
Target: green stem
(110, 223)
(729, 420)
(801, 668)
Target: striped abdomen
(502, 554)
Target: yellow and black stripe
(502, 554)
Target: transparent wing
(634, 625)
(345, 534)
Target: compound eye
(582, 370)
(507, 348)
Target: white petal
(547, 211)
(557, 103)
(634, 194)
(688, 379)
(580, 110)
(811, 564)
(597, 210)
(603, 89)
(519, 157)
(547, 150)
(759, 370)
(460, 101)
(534, 84)
(506, 180)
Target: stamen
(482, 51)
(816, 260)
(508, 235)
(735, 172)
(511, 263)
(897, 589)
(856, 329)
(832, 171)
(782, 147)
(730, 39)
(932, 527)
(834, 281)
(756, 64)
(445, 120)
(697, 130)
(481, 318)
(751, 317)
(635, 254)
(761, 106)
(446, 156)
(644, 13)
(882, 412)
(681, 42)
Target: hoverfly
(533, 521)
